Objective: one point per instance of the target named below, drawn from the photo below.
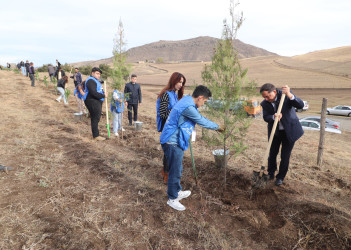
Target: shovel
(259, 178)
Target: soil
(67, 191)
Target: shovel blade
(259, 179)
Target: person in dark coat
(288, 131)
(27, 65)
(51, 71)
(32, 74)
(93, 99)
(133, 95)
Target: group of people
(178, 115)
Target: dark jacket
(77, 78)
(61, 83)
(27, 66)
(31, 70)
(62, 73)
(133, 93)
(289, 120)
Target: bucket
(138, 125)
(219, 157)
(78, 116)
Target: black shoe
(130, 124)
(278, 182)
(271, 177)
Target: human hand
(280, 116)
(286, 91)
(221, 128)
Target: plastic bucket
(78, 116)
(219, 157)
(138, 126)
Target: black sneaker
(130, 124)
(271, 177)
(278, 182)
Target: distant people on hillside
(133, 95)
(23, 68)
(27, 65)
(77, 77)
(61, 85)
(8, 65)
(18, 66)
(59, 74)
(0, 67)
(94, 97)
(79, 94)
(32, 74)
(51, 71)
(167, 98)
(117, 108)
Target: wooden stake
(107, 121)
(322, 132)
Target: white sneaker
(116, 134)
(58, 100)
(123, 129)
(183, 194)
(175, 204)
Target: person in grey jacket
(133, 95)
(51, 71)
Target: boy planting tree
(175, 139)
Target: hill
(195, 49)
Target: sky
(80, 30)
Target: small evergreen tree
(227, 81)
(121, 70)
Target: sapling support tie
(107, 122)
(193, 161)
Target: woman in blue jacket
(167, 98)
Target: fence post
(322, 132)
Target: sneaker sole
(178, 209)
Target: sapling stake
(107, 122)
(193, 161)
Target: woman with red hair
(167, 98)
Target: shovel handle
(266, 154)
(107, 121)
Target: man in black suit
(288, 131)
(133, 95)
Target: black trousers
(280, 139)
(133, 107)
(32, 79)
(95, 107)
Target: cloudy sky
(79, 30)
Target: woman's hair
(65, 78)
(173, 80)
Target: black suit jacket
(289, 120)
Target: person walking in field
(27, 65)
(133, 95)
(32, 74)
(289, 129)
(51, 71)
(117, 107)
(167, 98)
(175, 137)
(61, 85)
(93, 99)
(77, 77)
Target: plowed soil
(66, 191)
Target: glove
(221, 128)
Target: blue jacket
(173, 99)
(80, 96)
(98, 87)
(290, 121)
(116, 105)
(181, 122)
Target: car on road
(318, 119)
(339, 110)
(314, 125)
(305, 107)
